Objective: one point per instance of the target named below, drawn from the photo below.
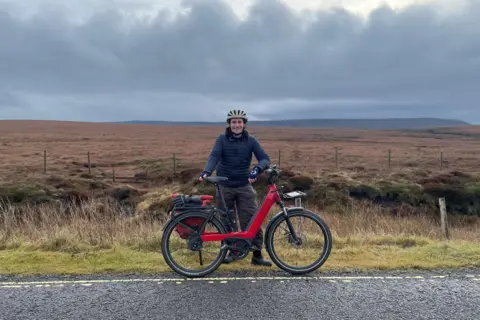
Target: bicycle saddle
(215, 179)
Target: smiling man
(231, 156)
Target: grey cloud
(414, 61)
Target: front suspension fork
(289, 223)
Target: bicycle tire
(170, 227)
(270, 247)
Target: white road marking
(11, 286)
(212, 280)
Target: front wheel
(315, 241)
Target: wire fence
(294, 160)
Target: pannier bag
(182, 203)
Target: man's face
(237, 125)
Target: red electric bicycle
(205, 232)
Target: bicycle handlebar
(273, 172)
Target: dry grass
(364, 222)
(98, 237)
(104, 223)
(93, 224)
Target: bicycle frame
(271, 198)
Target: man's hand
(253, 175)
(203, 175)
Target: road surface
(423, 295)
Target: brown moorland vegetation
(367, 203)
(125, 146)
(435, 162)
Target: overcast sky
(100, 60)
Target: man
(231, 156)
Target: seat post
(221, 197)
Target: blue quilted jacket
(232, 158)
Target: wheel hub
(297, 243)
(195, 242)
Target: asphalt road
(432, 295)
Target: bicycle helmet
(237, 113)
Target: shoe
(259, 260)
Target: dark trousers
(244, 199)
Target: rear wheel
(188, 255)
(304, 257)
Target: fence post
(279, 157)
(389, 158)
(113, 174)
(336, 157)
(44, 161)
(443, 218)
(174, 158)
(441, 160)
(89, 165)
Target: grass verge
(97, 237)
(383, 253)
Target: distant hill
(369, 124)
